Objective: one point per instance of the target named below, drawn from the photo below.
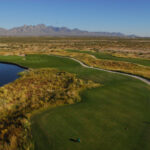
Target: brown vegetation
(33, 90)
(136, 47)
(119, 47)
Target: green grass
(115, 116)
(107, 56)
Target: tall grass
(33, 90)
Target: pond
(9, 73)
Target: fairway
(115, 116)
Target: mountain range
(43, 30)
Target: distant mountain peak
(43, 30)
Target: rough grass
(33, 90)
(126, 67)
(115, 57)
(114, 116)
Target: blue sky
(126, 16)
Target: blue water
(8, 73)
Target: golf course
(113, 116)
(74, 75)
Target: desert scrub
(33, 90)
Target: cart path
(147, 81)
(110, 71)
